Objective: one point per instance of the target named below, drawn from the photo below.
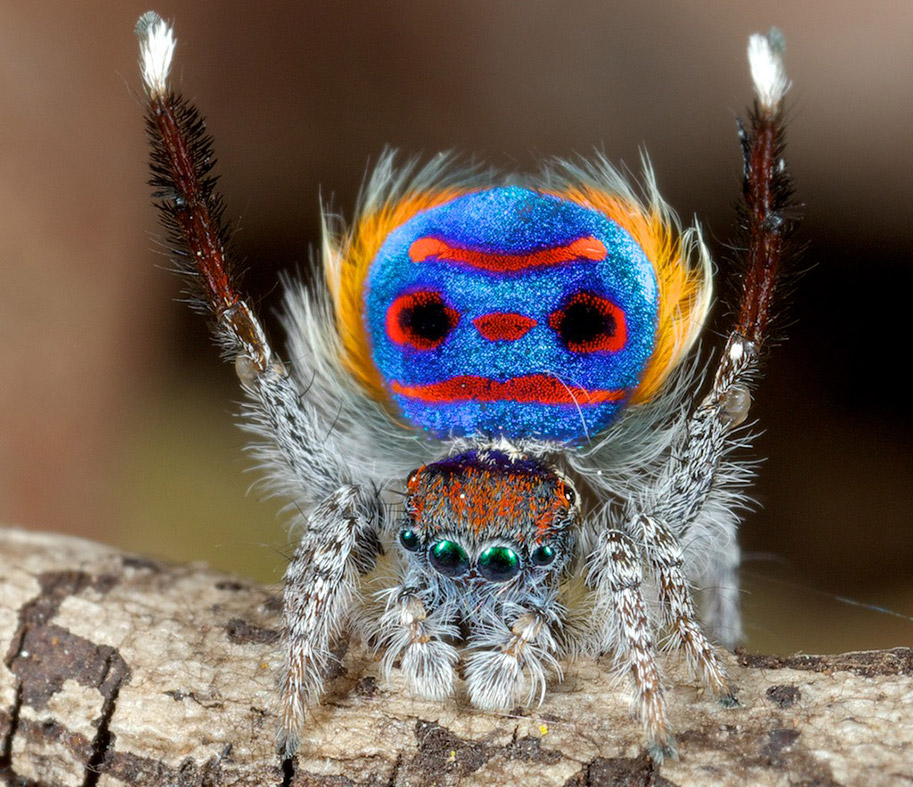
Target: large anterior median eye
(588, 323)
(420, 319)
(449, 558)
(498, 564)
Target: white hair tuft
(765, 57)
(156, 48)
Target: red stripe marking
(502, 326)
(588, 248)
(531, 388)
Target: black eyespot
(542, 555)
(589, 323)
(449, 558)
(499, 564)
(421, 320)
(409, 539)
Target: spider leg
(768, 218)
(513, 650)
(340, 537)
(321, 582)
(694, 498)
(658, 521)
(192, 212)
(418, 638)
(676, 506)
(696, 475)
(626, 631)
(666, 557)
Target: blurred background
(116, 416)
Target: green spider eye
(449, 558)
(499, 564)
(542, 555)
(409, 539)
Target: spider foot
(429, 668)
(665, 750)
(729, 701)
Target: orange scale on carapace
(490, 496)
(545, 522)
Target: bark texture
(124, 671)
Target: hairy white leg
(677, 609)
(321, 583)
(616, 577)
(419, 640)
(512, 660)
(697, 490)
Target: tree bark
(121, 670)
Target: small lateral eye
(409, 539)
(421, 320)
(588, 323)
(449, 558)
(542, 555)
(499, 564)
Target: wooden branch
(120, 670)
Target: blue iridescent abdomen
(511, 312)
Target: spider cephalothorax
(485, 540)
(502, 337)
(513, 517)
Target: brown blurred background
(115, 414)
